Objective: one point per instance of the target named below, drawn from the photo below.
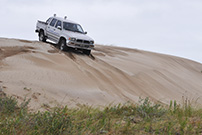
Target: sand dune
(50, 77)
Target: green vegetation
(143, 118)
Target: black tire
(62, 45)
(87, 52)
(42, 36)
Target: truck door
(51, 30)
(58, 29)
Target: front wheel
(62, 45)
(42, 36)
(87, 52)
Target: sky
(171, 27)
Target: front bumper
(79, 45)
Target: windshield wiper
(69, 29)
(74, 30)
(78, 31)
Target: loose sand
(31, 69)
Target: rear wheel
(62, 45)
(42, 36)
(87, 52)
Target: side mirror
(59, 27)
(85, 32)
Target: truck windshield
(72, 27)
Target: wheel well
(62, 38)
(41, 30)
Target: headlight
(72, 39)
(91, 42)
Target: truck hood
(78, 35)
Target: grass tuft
(143, 118)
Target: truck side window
(53, 22)
(48, 21)
(59, 23)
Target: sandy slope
(111, 75)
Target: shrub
(8, 104)
(148, 110)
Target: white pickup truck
(65, 33)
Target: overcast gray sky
(166, 26)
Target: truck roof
(63, 19)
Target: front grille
(83, 41)
(86, 42)
(79, 40)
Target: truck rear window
(49, 19)
(53, 22)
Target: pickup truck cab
(65, 33)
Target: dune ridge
(111, 74)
